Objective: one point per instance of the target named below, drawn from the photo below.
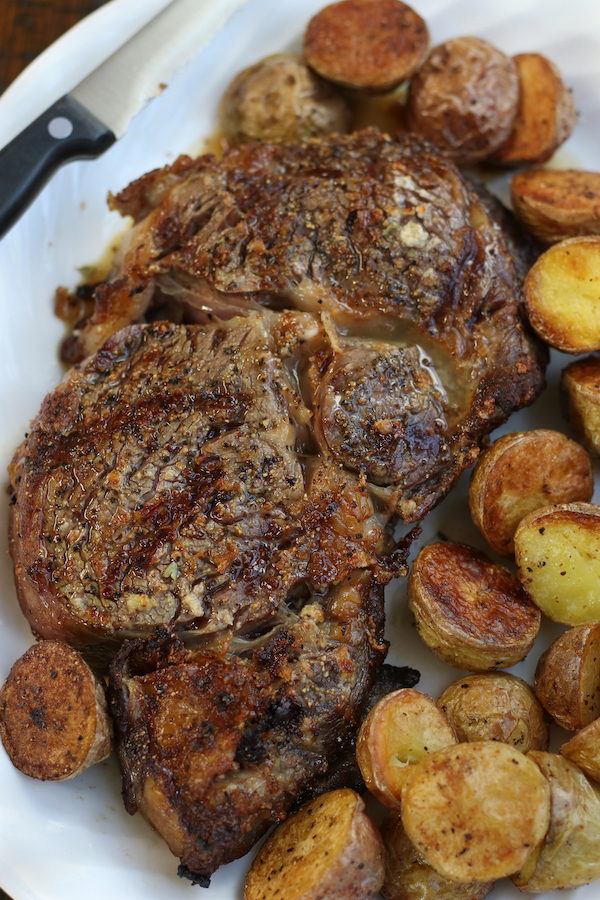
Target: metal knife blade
(88, 120)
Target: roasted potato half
(470, 611)
(280, 100)
(567, 678)
(545, 117)
(557, 204)
(54, 720)
(584, 749)
(522, 472)
(372, 45)
(570, 853)
(408, 876)
(329, 848)
(476, 810)
(495, 706)
(398, 732)
(465, 99)
(562, 295)
(557, 550)
(580, 400)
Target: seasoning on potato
(584, 749)
(329, 848)
(562, 295)
(398, 732)
(470, 611)
(54, 720)
(522, 472)
(545, 117)
(570, 853)
(567, 678)
(557, 204)
(371, 45)
(495, 706)
(580, 400)
(465, 99)
(476, 810)
(280, 100)
(408, 876)
(557, 550)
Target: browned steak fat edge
(382, 240)
(214, 748)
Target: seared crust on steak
(389, 241)
(215, 748)
(160, 485)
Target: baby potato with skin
(522, 472)
(584, 750)
(580, 400)
(496, 706)
(470, 611)
(475, 811)
(557, 551)
(567, 678)
(558, 203)
(398, 732)
(280, 100)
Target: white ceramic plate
(65, 841)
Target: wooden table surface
(26, 28)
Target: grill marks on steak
(373, 237)
(215, 748)
(160, 485)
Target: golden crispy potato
(557, 550)
(470, 611)
(280, 100)
(495, 706)
(562, 295)
(584, 749)
(546, 114)
(476, 810)
(567, 678)
(372, 45)
(329, 848)
(580, 400)
(54, 721)
(557, 204)
(522, 472)
(408, 876)
(465, 99)
(398, 732)
(570, 854)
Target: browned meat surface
(382, 240)
(161, 484)
(214, 748)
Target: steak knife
(88, 120)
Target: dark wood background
(26, 28)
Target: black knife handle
(66, 131)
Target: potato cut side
(567, 678)
(562, 295)
(558, 558)
(470, 611)
(570, 854)
(329, 848)
(584, 749)
(557, 204)
(496, 706)
(398, 732)
(580, 400)
(54, 721)
(522, 472)
(408, 876)
(476, 810)
(372, 45)
(545, 117)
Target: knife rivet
(60, 128)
